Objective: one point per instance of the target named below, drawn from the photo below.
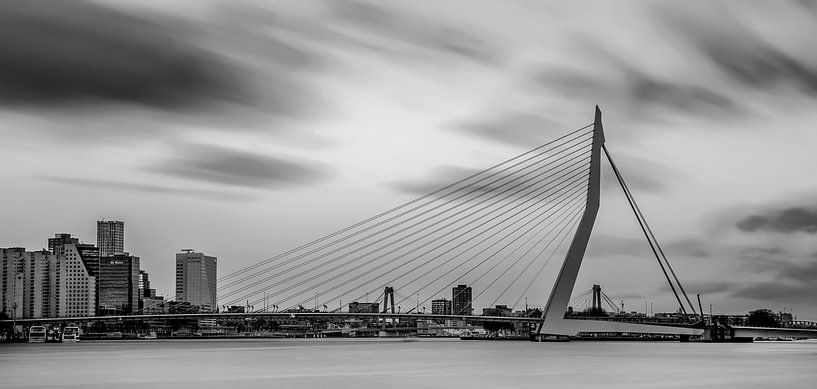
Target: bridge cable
(657, 244)
(291, 260)
(486, 259)
(406, 204)
(451, 223)
(442, 245)
(564, 228)
(245, 287)
(641, 223)
(545, 263)
(487, 271)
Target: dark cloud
(806, 273)
(785, 266)
(514, 183)
(762, 62)
(703, 287)
(412, 29)
(764, 254)
(641, 175)
(602, 245)
(787, 220)
(234, 167)
(621, 84)
(517, 128)
(56, 52)
(776, 292)
(146, 188)
(79, 54)
(687, 248)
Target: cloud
(785, 266)
(629, 88)
(66, 56)
(703, 287)
(414, 32)
(786, 221)
(517, 128)
(805, 273)
(776, 292)
(610, 245)
(81, 52)
(233, 167)
(146, 188)
(764, 254)
(687, 248)
(764, 61)
(641, 175)
(514, 183)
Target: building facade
(461, 300)
(78, 274)
(356, 307)
(441, 307)
(110, 237)
(118, 285)
(196, 280)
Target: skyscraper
(110, 237)
(196, 280)
(461, 297)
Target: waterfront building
(76, 289)
(440, 307)
(118, 284)
(59, 240)
(196, 280)
(11, 280)
(461, 300)
(153, 305)
(499, 310)
(110, 237)
(356, 307)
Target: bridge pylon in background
(388, 292)
(554, 326)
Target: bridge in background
(498, 228)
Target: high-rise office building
(110, 237)
(118, 284)
(441, 307)
(196, 280)
(461, 298)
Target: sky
(245, 128)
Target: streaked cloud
(786, 220)
(86, 53)
(411, 33)
(517, 128)
(224, 166)
(131, 187)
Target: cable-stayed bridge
(510, 230)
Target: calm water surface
(355, 363)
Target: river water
(395, 363)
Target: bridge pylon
(554, 326)
(388, 293)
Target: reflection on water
(392, 363)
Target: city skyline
(338, 111)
